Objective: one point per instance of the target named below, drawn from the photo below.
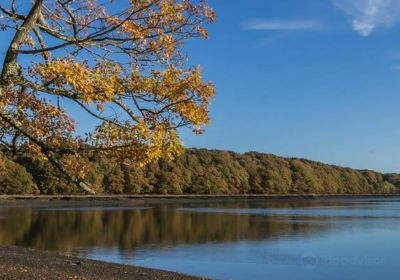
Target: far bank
(140, 200)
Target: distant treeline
(198, 171)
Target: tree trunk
(11, 71)
(10, 64)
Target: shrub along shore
(198, 171)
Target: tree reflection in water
(130, 228)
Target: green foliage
(200, 171)
(14, 179)
(113, 182)
(47, 178)
(393, 179)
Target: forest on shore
(197, 171)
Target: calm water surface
(308, 239)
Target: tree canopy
(119, 62)
(198, 171)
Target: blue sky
(317, 79)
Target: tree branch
(10, 65)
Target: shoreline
(140, 200)
(22, 263)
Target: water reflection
(55, 229)
(235, 240)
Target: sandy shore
(27, 264)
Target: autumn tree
(120, 62)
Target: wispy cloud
(281, 25)
(370, 14)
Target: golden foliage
(99, 83)
(124, 69)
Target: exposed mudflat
(20, 263)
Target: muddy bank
(142, 200)
(20, 263)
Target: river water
(266, 239)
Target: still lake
(253, 239)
